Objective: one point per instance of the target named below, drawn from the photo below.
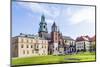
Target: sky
(72, 20)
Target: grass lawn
(50, 59)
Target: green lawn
(81, 57)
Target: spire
(54, 24)
(54, 27)
(42, 18)
(43, 24)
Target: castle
(53, 43)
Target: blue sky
(72, 20)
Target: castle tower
(54, 33)
(43, 27)
(54, 38)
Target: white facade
(55, 49)
(69, 42)
(80, 45)
(24, 46)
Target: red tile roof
(93, 38)
(85, 38)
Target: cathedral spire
(54, 27)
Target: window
(43, 51)
(32, 51)
(56, 38)
(15, 46)
(65, 41)
(42, 46)
(27, 52)
(56, 48)
(23, 51)
(44, 26)
(45, 46)
(22, 46)
(53, 46)
(31, 46)
(31, 41)
(36, 51)
(42, 41)
(27, 46)
(27, 41)
(84, 43)
(36, 46)
(21, 40)
(41, 35)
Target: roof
(67, 38)
(47, 36)
(54, 24)
(83, 38)
(93, 38)
(30, 36)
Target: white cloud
(49, 11)
(86, 14)
(49, 21)
(34, 7)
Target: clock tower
(43, 27)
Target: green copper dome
(43, 25)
